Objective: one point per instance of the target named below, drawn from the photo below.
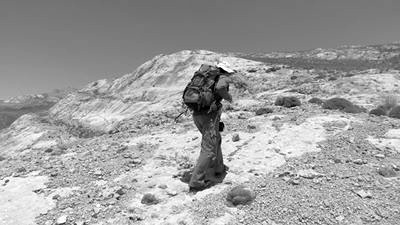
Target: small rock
(151, 185)
(359, 161)
(294, 182)
(62, 220)
(283, 174)
(364, 194)
(120, 191)
(98, 172)
(263, 111)
(240, 195)
(21, 170)
(251, 127)
(6, 182)
(96, 210)
(309, 174)
(149, 199)
(336, 160)
(163, 186)
(339, 218)
(172, 193)
(53, 174)
(80, 223)
(387, 171)
(136, 161)
(56, 197)
(235, 137)
(48, 222)
(380, 156)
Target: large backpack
(199, 94)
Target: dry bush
(342, 105)
(390, 101)
(317, 101)
(395, 112)
(378, 111)
(288, 102)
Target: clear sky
(47, 44)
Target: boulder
(288, 102)
(149, 199)
(240, 195)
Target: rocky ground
(102, 180)
(301, 165)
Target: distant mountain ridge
(360, 52)
(12, 108)
(344, 58)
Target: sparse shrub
(332, 78)
(317, 101)
(149, 199)
(320, 77)
(380, 111)
(288, 102)
(262, 111)
(240, 195)
(342, 105)
(272, 69)
(395, 112)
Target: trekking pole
(184, 112)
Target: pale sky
(47, 44)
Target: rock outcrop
(155, 86)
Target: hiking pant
(210, 160)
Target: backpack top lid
(225, 67)
(221, 67)
(205, 68)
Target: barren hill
(112, 153)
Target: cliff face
(157, 85)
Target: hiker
(203, 95)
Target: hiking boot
(224, 172)
(186, 177)
(207, 184)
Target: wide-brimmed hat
(225, 66)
